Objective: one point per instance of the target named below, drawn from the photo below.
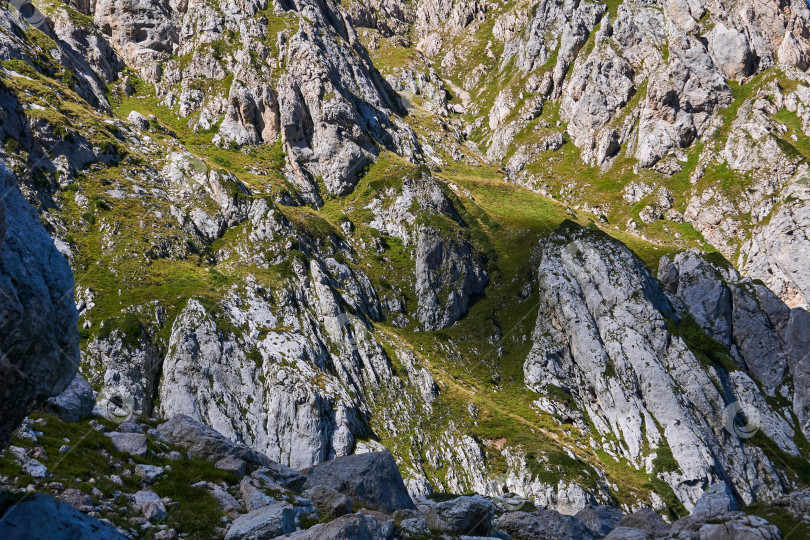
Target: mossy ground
(92, 460)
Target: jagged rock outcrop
(448, 269)
(39, 353)
(605, 335)
(762, 334)
(448, 274)
(232, 271)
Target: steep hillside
(558, 248)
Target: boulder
(206, 443)
(372, 480)
(41, 517)
(150, 505)
(138, 121)
(233, 465)
(463, 515)
(351, 527)
(263, 523)
(415, 526)
(149, 473)
(599, 520)
(715, 501)
(740, 528)
(129, 427)
(329, 503)
(78, 499)
(627, 533)
(227, 502)
(129, 443)
(38, 318)
(646, 520)
(730, 51)
(75, 403)
(282, 475)
(542, 525)
(253, 493)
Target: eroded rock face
(603, 335)
(39, 352)
(681, 97)
(143, 31)
(448, 275)
(760, 331)
(448, 269)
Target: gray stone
(627, 533)
(416, 526)
(150, 505)
(232, 465)
(542, 525)
(600, 520)
(646, 520)
(282, 475)
(75, 403)
(81, 500)
(149, 473)
(740, 528)
(41, 517)
(129, 443)
(329, 503)
(351, 527)
(463, 515)
(203, 442)
(264, 523)
(715, 501)
(730, 51)
(129, 427)
(371, 480)
(138, 121)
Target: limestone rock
(129, 443)
(41, 517)
(74, 403)
(371, 480)
(267, 522)
(150, 505)
(600, 520)
(37, 314)
(463, 515)
(730, 51)
(204, 442)
(78, 499)
(594, 295)
(329, 503)
(349, 527)
(542, 525)
(646, 520)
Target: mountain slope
(323, 228)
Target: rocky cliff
(39, 352)
(558, 248)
